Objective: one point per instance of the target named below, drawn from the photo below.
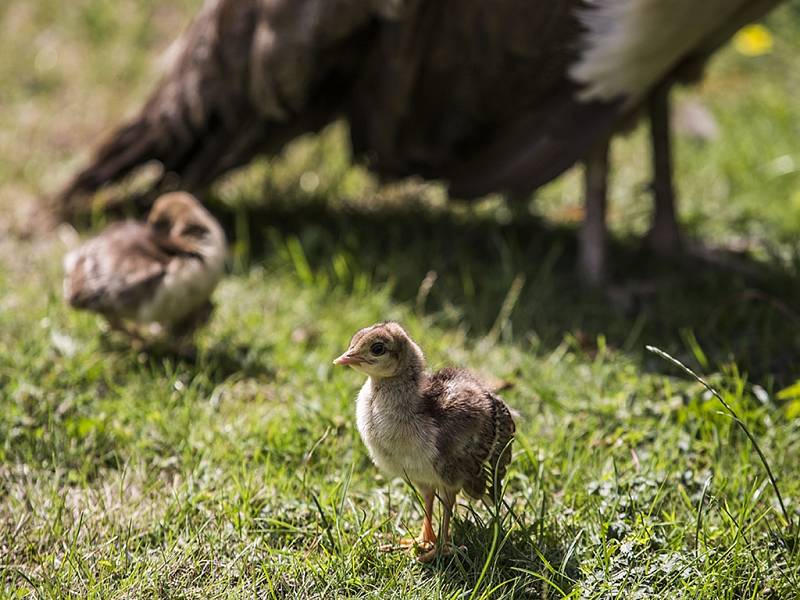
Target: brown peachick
(151, 279)
(443, 432)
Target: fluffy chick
(444, 432)
(151, 279)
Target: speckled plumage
(475, 431)
(442, 431)
(157, 275)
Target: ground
(128, 475)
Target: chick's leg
(428, 535)
(131, 331)
(427, 538)
(443, 546)
(179, 340)
(186, 328)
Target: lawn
(241, 474)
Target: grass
(242, 474)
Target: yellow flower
(753, 40)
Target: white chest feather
(631, 44)
(186, 287)
(401, 442)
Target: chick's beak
(348, 359)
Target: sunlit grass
(242, 474)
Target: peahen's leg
(664, 235)
(593, 235)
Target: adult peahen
(498, 96)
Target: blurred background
(71, 71)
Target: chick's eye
(162, 225)
(377, 348)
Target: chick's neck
(408, 378)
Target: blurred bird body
(444, 432)
(157, 275)
(629, 45)
(498, 96)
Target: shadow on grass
(705, 314)
(529, 560)
(218, 362)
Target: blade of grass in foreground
(750, 436)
